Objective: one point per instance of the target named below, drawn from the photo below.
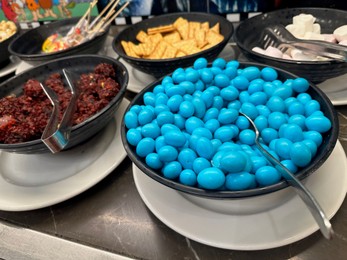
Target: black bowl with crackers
(161, 44)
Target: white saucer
(11, 67)
(138, 80)
(335, 89)
(23, 66)
(30, 182)
(276, 227)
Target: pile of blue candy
(189, 128)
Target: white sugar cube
(304, 20)
(297, 31)
(273, 52)
(340, 33)
(313, 36)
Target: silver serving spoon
(278, 36)
(312, 204)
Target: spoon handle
(312, 204)
(310, 201)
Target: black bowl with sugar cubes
(323, 24)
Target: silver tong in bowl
(57, 134)
(278, 36)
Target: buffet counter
(110, 220)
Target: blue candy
(211, 178)
(153, 161)
(167, 153)
(239, 181)
(172, 170)
(186, 158)
(188, 177)
(145, 147)
(267, 175)
(175, 138)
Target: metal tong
(278, 36)
(312, 204)
(57, 134)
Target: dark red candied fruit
(25, 117)
(105, 69)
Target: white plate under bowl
(279, 226)
(335, 89)
(11, 67)
(29, 182)
(138, 80)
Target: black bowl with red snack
(104, 84)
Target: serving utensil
(311, 203)
(278, 36)
(56, 134)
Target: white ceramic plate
(138, 80)
(276, 227)
(11, 67)
(35, 181)
(23, 66)
(335, 89)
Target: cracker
(155, 38)
(213, 37)
(148, 47)
(189, 48)
(180, 54)
(141, 36)
(170, 52)
(159, 50)
(205, 26)
(200, 37)
(172, 37)
(128, 50)
(207, 46)
(161, 29)
(193, 26)
(182, 26)
(185, 42)
(137, 48)
(179, 21)
(215, 28)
